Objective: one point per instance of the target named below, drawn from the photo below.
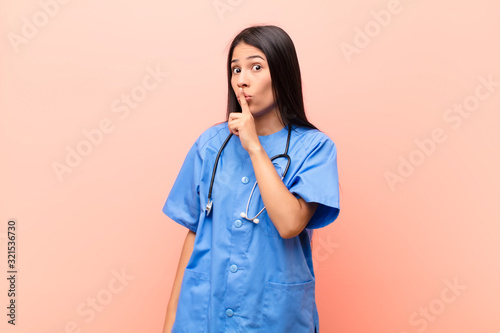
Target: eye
(259, 66)
(234, 70)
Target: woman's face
(250, 71)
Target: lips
(247, 97)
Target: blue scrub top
(242, 276)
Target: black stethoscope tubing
(285, 154)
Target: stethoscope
(245, 214)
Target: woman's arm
(288, 214)
(187, 250)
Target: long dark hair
(283, 63)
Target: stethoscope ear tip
(254, 220)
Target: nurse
(236, 273)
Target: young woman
(246, 264)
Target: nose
(242, 80)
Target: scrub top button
(244, 180)
(229, 312)
(237, 223)
(233, 268)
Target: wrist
(255, 149)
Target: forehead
(243, 50)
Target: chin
(261, 111)
(257, 114)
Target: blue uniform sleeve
(317, 181)
(183, 201)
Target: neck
(268, 123)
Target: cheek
(268, 88)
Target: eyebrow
(249, 57)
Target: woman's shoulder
(310, 138)
(213, 134)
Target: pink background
(389, 262)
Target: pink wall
(415, 248)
